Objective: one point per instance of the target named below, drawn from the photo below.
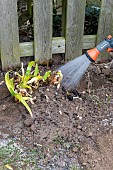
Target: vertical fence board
(29, 7)
(105, 25)
(9, 36)
(42, 29)
(64, 5)
(74, 27)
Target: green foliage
(91, 19)
(10, 86)
(57, 21)
(21, 85)
(15, 155)
(74, 168)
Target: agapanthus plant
(22, 85)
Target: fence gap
(57, 18)
(42, 29)
(105, 26)
(9, 36)
(74, 28)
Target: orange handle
(93, 53)
(110, 50)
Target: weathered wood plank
(89, 41)
(105, 26)
(26, 49)
(9, 38)
(58, 45)
(74, 27)
(42, 29)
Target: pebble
(79, 127)
(67, 145)
(89, 134)
(28, 122)
(33, 128)
(75, 149)
(84, 163)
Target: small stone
(60, 112)
(75, 149)
(33, 128)
(4, 107)
(67, 145)
(95, 160)
(84, 163)
(89, 134)
(79, 127)
(56, 93)
(28, 122)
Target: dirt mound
(76, 130)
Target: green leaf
(24, 86)
(21, 99)
(46, 75)
(30, 65)
(12, 92)
(10, 86)
(26, 78)
(26, 98)
(19, 75)
(28, 72)
(9, 83)
(36, 72)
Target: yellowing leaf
(8, 167)
(21, 99)
(10, 87)
(19, 75)
(9, 83)
(25, 86)
(34, 79)
(26, 78)
(26, 98)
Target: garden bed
(65, 133)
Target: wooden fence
(72, 41)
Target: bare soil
(72, 130)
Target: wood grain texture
(27, 48)
(89, 41)
(63, 13)
(74, 27)
(42, 29)
(58, 45)
(9, 37)
(105, 26)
